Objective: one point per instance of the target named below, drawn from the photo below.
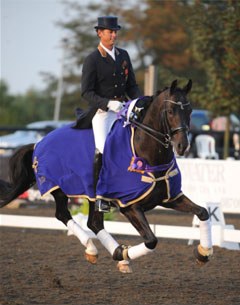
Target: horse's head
(175, 115)
(166, 121)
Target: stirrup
(102, 206)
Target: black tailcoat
(104, 79)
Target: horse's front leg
(96, 224)
(136, 216)
(204, 250)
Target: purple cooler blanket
(64, 159)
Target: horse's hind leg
(183, 204)
(63, 214)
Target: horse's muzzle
(180, 142)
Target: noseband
(162, 138)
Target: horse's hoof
(202, 255)
(200, 263)
(91, 258)
(124, 268)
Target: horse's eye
(170, 111)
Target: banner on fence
(212, 181)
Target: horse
(153, 142)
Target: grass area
(84, 207)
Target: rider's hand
(114, 106)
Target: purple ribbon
(123, 112)
(140, 164)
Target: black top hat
(108, 22)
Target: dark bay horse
(162, 132)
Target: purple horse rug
(64, 159)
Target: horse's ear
(173, 86)
(188, 87)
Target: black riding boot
(100, 204)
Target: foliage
(162, 38)
(162, 33)
(81, 40)
(84, 207)
(185, 39)
(22, 109)
(6, 103)
(216, 44)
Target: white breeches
(102, 123)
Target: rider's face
(107, 37)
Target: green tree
(155, 32)
(6, 103)
(79, 40)
(185, 39)
(216, 43)
(164, 40)
(25, 108)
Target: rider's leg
(102, 123)
(101, 205)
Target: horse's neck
(146, 146)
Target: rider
(107, 81)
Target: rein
(156, 135)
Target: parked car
(8, 143)
(203, 122)
(200, 120)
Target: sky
(30, 42)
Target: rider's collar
(104, 51)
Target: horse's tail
(21, 175)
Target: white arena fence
(223, 235)
(211, 183)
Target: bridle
(178, 103)
(162, 138)
(173, 131)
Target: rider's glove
(114, 106)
